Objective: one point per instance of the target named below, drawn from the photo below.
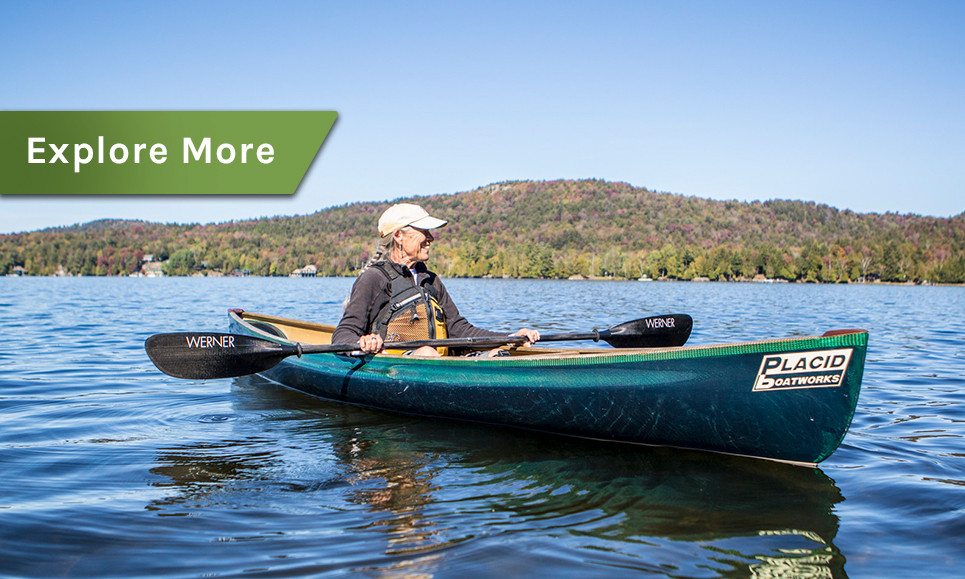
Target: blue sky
(858, 105)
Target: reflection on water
(437, 489)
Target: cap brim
(428, 222)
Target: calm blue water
(109, 468)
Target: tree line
(533, 229)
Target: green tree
(182, 262)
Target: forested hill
(534, 229)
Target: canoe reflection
(429, 485)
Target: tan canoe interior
(313, 333)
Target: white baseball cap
(404, 215)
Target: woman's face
(413, 244)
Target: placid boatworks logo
(818, 369)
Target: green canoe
(787, 399)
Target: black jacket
(372, 291)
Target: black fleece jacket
(372, 291)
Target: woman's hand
(371, 343)
(531, 335)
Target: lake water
(109, 468)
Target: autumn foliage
(554, 229)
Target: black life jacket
(412, 312)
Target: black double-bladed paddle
(202, 356)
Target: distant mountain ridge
(556, 229)
(98, 225)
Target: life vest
(411, 314)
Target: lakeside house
(152, 269)
(149, 267)
(307, 271)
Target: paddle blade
(653, 332)
(200, 356)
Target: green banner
(158, 152)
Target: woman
(396, 297)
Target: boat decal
(814, 369)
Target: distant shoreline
(579, 229)
(490, 278)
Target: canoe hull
(790, 400)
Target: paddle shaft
(476, 342)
